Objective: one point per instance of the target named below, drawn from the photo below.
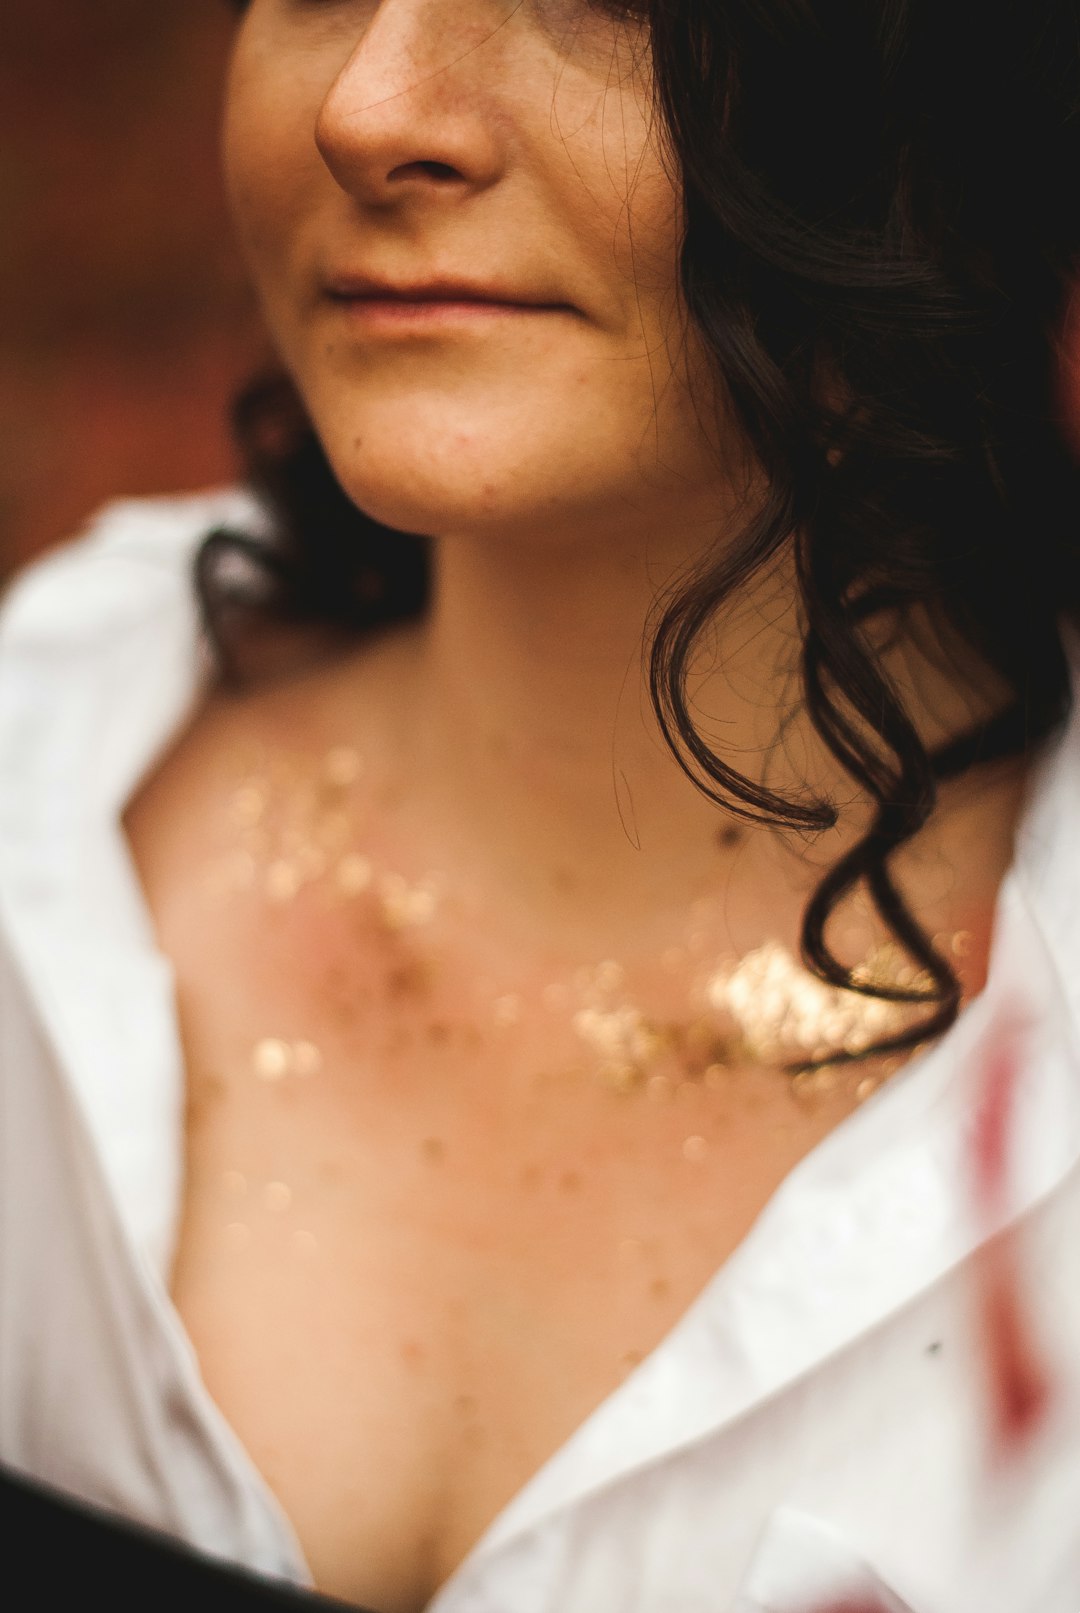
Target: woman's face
(466, 240)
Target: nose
(411, 114)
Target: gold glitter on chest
(301, 828)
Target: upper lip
(438, 289)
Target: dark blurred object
(62, 1554)
(1070, 371)
(125, 321)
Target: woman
(497, 1119)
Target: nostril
(441, 171)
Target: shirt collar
(100, 663)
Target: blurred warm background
(125, 323)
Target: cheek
(649, 243)
(603, 142)
(271, 168)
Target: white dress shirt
(816, 1427)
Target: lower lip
(397, 316)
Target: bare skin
(411, 1276)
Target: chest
(415, 1257)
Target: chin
(412, 505)
(454, 481)
(407, 492)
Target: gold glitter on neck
(248, 804)
(354, 874)
(271, 1059)
(506, 1010)
(291, 826)
(783, 1014)
(283, 880)
(277, 1197)
(275, 1060)
(342, 766)
(296, 826)
(405, 906)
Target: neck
(523, 759)
(534, 742)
